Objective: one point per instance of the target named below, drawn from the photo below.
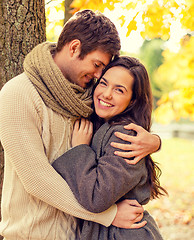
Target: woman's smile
(105, 104)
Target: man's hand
(142, 144)
(129, 212)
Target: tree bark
(22, 27)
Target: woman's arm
(98, 183)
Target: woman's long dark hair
(139, 112)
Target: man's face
(81, 71)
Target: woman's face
(113, 93)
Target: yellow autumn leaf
(131, 5)
(122, 19)
(132, 26)
(78, 4)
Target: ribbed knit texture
(58, 93)
(35, 196)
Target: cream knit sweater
(37, 203)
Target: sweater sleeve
(98, 183)
(20, 135)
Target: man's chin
(89, 84)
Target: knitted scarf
(62, 96)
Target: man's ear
(74, 47)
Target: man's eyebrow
(101, 62)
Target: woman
(121, 96)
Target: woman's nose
(108, 93)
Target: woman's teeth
(105, 104)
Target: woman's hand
(82, 132)
(141, 145)
(129, 214)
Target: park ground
(175, 213)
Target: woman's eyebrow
(117, 85)
(104, 79)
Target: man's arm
(141, 145)
(21, 138)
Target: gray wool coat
(98, 179)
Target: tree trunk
(68, 9)
(22, 27)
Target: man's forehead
(102, 57)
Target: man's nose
(98, 73)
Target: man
(37, 112)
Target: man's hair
(94, 30)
